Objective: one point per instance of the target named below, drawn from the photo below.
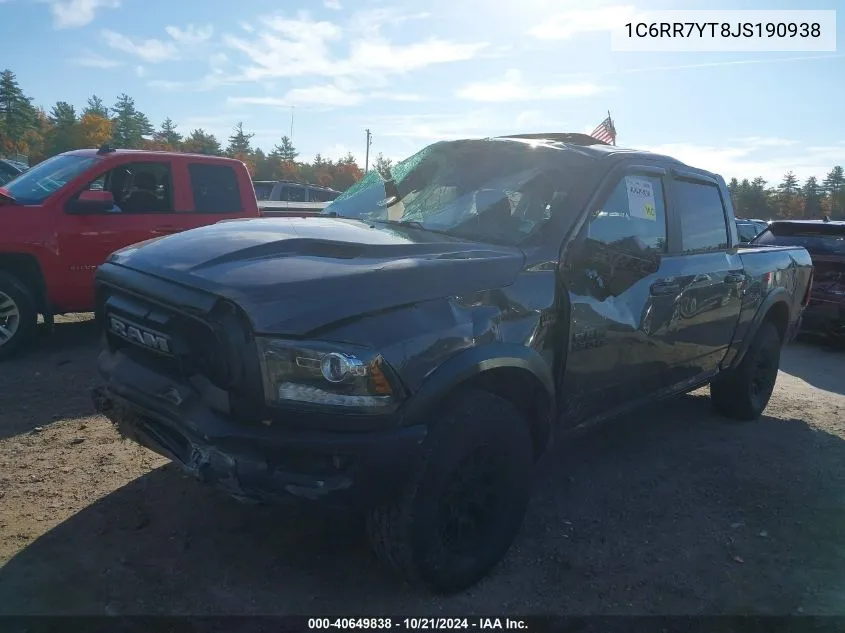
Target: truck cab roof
(90, 152)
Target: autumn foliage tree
(32, 133)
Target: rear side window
(215, 188)
(702, 216)
(292, 194)
(321, 195)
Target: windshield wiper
(415, 224)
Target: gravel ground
(668, 511)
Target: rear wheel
(743, 393)
(18, 317)
(464, 507)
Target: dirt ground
(669, 511)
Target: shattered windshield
(479, 190)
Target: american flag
(605, 131)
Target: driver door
(620, 295)
(141, 191)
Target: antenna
(367, 159)
(291, 124)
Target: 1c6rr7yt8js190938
(411, 353)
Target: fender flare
(473, 362)
(778, 295)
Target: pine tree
(383, 166)
(285, 150)
(812, 198)
(96, 106)
(834, 186)
(65, 132)
(17, 114)
(201, 142)
(168, 135)
(239, 142)
(129, 126)
(789, 186)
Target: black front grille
(194, 346)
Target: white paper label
(640, 198)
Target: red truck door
(154, 196)
(144, 203)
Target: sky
(415, 73)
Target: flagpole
(612, 126)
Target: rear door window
(215, 188)
(701, 213)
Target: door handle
(734, 278)
(665, 288)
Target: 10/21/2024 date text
(418, 624)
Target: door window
(215, 188)
(137, 187)
(293, 194)
(702, 216)
(633, 215)
(624, 237)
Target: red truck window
(215, 188)
(142, 187)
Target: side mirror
(91, 201)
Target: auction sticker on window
(640, 198)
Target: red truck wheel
(17, 315)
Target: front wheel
(744, 392)
(465, 505)
(18, 317)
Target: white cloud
(90, 60)
(300, 46)
(512, 87)
(217, 61)
(329, 95)
(418, 129)
(190, 34)
(765, 157)
(538, 118)
(332, 95)
(150, 50)
(246, 26)
(334, 5)
(71, 14)
(140, 71)
(339, 151)
(567, 24)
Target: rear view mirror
(90, 201)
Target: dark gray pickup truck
(411, 353)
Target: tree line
(31, 131)
(790, 199)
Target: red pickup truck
(62, 218)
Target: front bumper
(256, 463)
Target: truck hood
(295, 275)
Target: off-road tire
(744, 392)
(24, 303)
(406, 534)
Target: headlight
(325, 373)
